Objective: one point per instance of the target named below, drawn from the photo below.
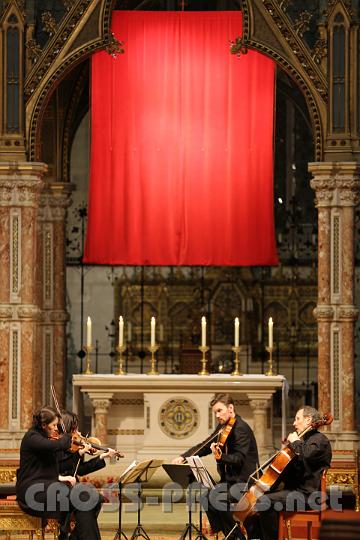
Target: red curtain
(182, 145)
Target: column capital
(324, 312)
(348, 312)
(259, 401)
(101, 401)
(21, 183)
(336, 183)
(55, 200)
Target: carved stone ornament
(319, 50)
(324, 313)
(6, 312)
(178, 418)
(33, 50)
(302, 23)
(49, 23)
(115, 46)
(101, 405)
(29, 312)
(59, 316)
(20, 192)
(349, 313)
(258, 405)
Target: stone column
(259, 403)
(337, 187)
(54, 203)
(101, 403)
(20, 186)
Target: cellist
(236, 458)
(301, 478)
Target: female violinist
(310, 455)
(38, 473)
(71, 462)
(236, 456)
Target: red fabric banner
(182, 145)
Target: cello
(276, 465)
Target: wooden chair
(304, 521)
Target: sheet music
(129, 468)
(200, 472)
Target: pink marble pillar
(337, 186)
(20, 186)
(348, 313)
(324, 311)
(101, 406)
(56, 201)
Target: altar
(163, 415)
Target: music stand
(182, 474)
(204, 479)
(136, 473)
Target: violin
(79, 441)
(275, 467)
(223, 434)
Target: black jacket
(38, 463)
(313, 456)
(239, 457)
(68, 463)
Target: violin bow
(57, 407)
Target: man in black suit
(236, 461)
(302, 477)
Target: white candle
(129, 331)
(203, 331)
(152, 325)
(88, 332)
(237, 327)
(161, 332)
(121, 331)
(271, 325)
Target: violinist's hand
(86, 448)
(110, 453)
(68, 480)
(178, 460)
(215, 449)
(293, 437)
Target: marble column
(54, 202)
(101, 403)
(259, 404)
(20, 313)
(337, 188)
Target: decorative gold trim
(125, 432)
(48, 274)
(336, 372)
(336, 254)
(15, 254)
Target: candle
(271, 325)
(152, 325)
(129, 331)
(237, 326)
(88, 332)
(161, 332)
(203, 331)
(121, 331)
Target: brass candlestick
(88, 349)
(153, 370)
(120, 350)
(236, 350)
(270, 369)
(203, 350)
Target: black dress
(37, 475)
(86, 525)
